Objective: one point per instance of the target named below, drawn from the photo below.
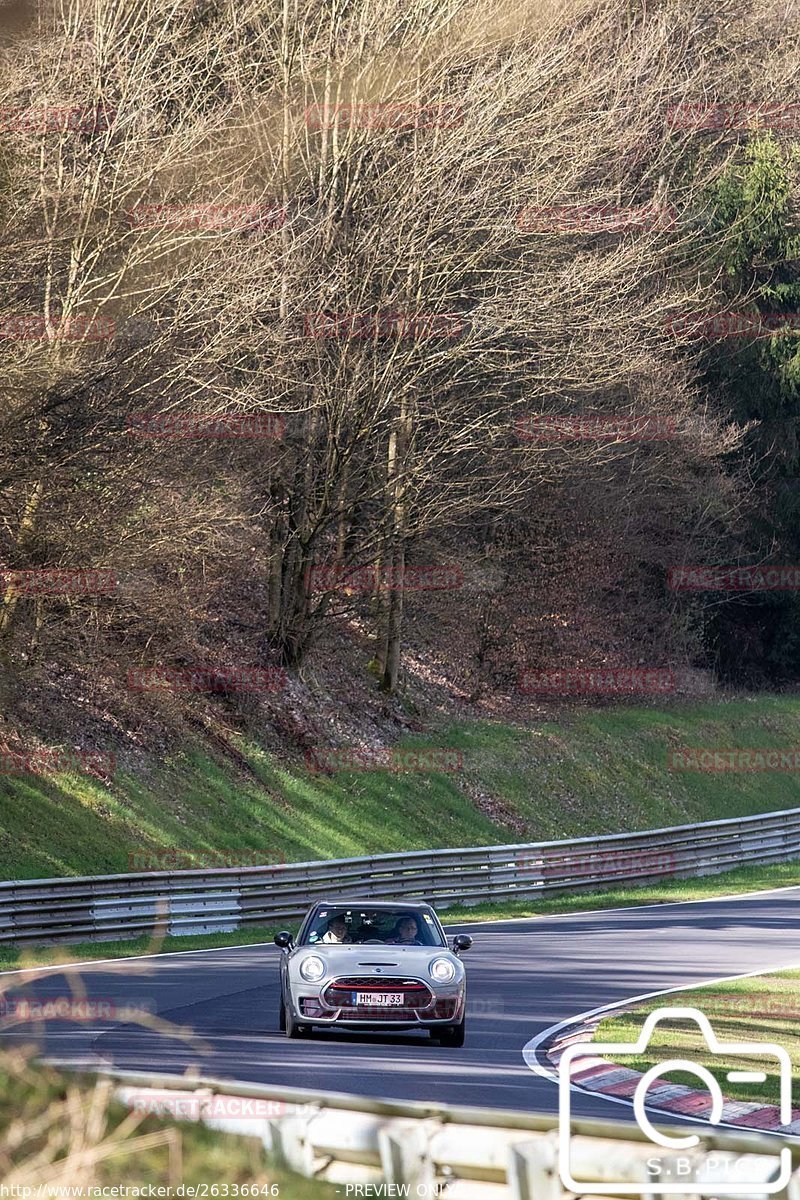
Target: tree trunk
(394, 619)
(342, 517)
(24, 535)
(380, 610)
(391, 598)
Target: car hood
(375, 960)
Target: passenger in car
(336, 931)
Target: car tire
(282, 1016)
(454, 1035)
(292, 1028)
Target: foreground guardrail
(222, 900)
(444, 1152)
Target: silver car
(373, 965)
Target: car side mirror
(461, 942)
(284, 940)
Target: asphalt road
(523, 976)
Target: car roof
(368, 902)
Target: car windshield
(365, 926)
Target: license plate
(378, 999)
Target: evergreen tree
(754, 227)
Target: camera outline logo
(667, 1143)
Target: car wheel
(291, 1027)
(454, 1035)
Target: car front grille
(339, 994)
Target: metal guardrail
(222, 900)
(446, 1153)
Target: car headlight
(312, 968)
(442, 970)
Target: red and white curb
(602, 1077)
(605, 1078)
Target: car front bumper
(310, 1006)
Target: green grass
(43, 956)
(68, 1132)
(764, 1008)
(743, 879)
(586, 771)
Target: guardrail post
(533, 1170)
(793, 1186)
(405, 1149)
(291, 1144)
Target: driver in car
(405, 933)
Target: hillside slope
(582, 771)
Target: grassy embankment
(64, 1132)
(586, 771)
(764, 1008)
